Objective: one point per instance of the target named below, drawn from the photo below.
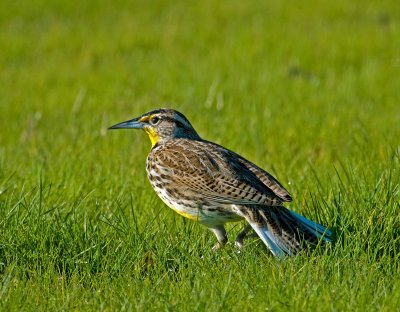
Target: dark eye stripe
(180, 124)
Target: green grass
(308, 91)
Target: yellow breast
(186, 215)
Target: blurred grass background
(308, 91)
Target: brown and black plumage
(208, 183)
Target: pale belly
(205, 213)
(189, 203)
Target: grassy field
(308, 91)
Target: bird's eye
(154, 120)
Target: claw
(217, 247)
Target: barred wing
(209, 172)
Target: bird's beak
(129, 124)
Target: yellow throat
(152, 135)
(150, 131)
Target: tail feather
(319, 230)
(274, 245)
(284, 231)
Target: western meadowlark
(208, 183)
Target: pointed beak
(129, 124)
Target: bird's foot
(242, 235)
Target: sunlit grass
(308, 92)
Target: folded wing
(213, 173)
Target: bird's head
(161, 125)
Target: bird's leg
(220, 233)
(241, 236)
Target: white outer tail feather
(273, 244)
(277, 247)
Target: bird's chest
(161, 179)
(183, 199)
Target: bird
(208, 183)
